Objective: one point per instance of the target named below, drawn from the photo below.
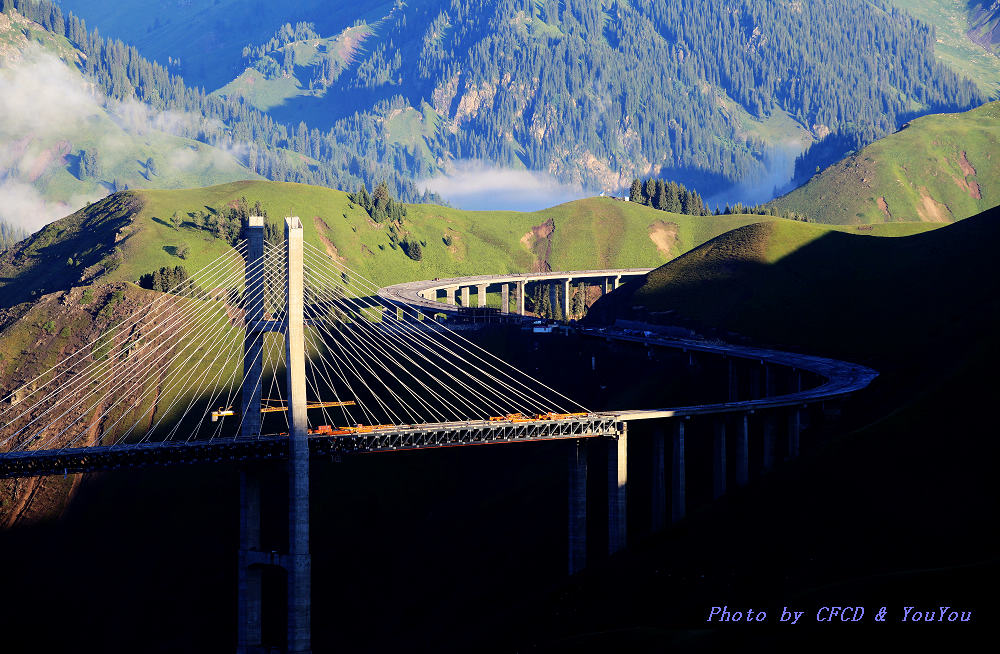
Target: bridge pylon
(297, 562)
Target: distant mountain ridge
(593, 92)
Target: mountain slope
(850, 295)
(939, 168)
(54, 120)
(128, 235)
(956, 45)
(984, 24)
(597, 92)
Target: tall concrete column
(504, 298)
(449, 295)
(465, 296)
(299, 565)
(250, 589)
(253, 340)
(617, 492)
(719, 457)
(618, 281)
(678, 483)
(769, 440)
(743, 451)
(481, 295)
(520, 297)
(577, 507)
(794, 429)
(565, 299)
(795, 419)
(605, 286)
(659, 485)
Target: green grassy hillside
(832, 291)
(939, 168)
(589, 233)
(128, 235)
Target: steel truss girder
(237, 450)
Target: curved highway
(841, 377)
(422, 295)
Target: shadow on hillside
(70, 251)
(874, 299)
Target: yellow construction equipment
(222, 412)
(274, 405)
(272, 408)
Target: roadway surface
(411, 293)
(841, 378)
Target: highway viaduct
(768, 392)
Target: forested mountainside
(984, 23)
(268, 148)
(63, 144)
(592, 92)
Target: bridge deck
(394, 439)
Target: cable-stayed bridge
(278, 351)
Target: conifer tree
(635, 194)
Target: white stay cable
(176, 290)
(97, 368)
(445, 332)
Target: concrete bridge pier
(659, 485)
(481, 295)
(577, 507)
(617, 492)
(794, 429)
(794, 418)
(449, 294)
(249, 585)
(719, 457)
(466, 290)
(520, 297)
(565, 299)
(504, 298)
(299, 561)
(678, 483)
(742, 453)
(249, 577)
(769, 440)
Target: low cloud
(47, 107)
(779, 168)
(41, 100)
(21, 204)
(476, 185)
